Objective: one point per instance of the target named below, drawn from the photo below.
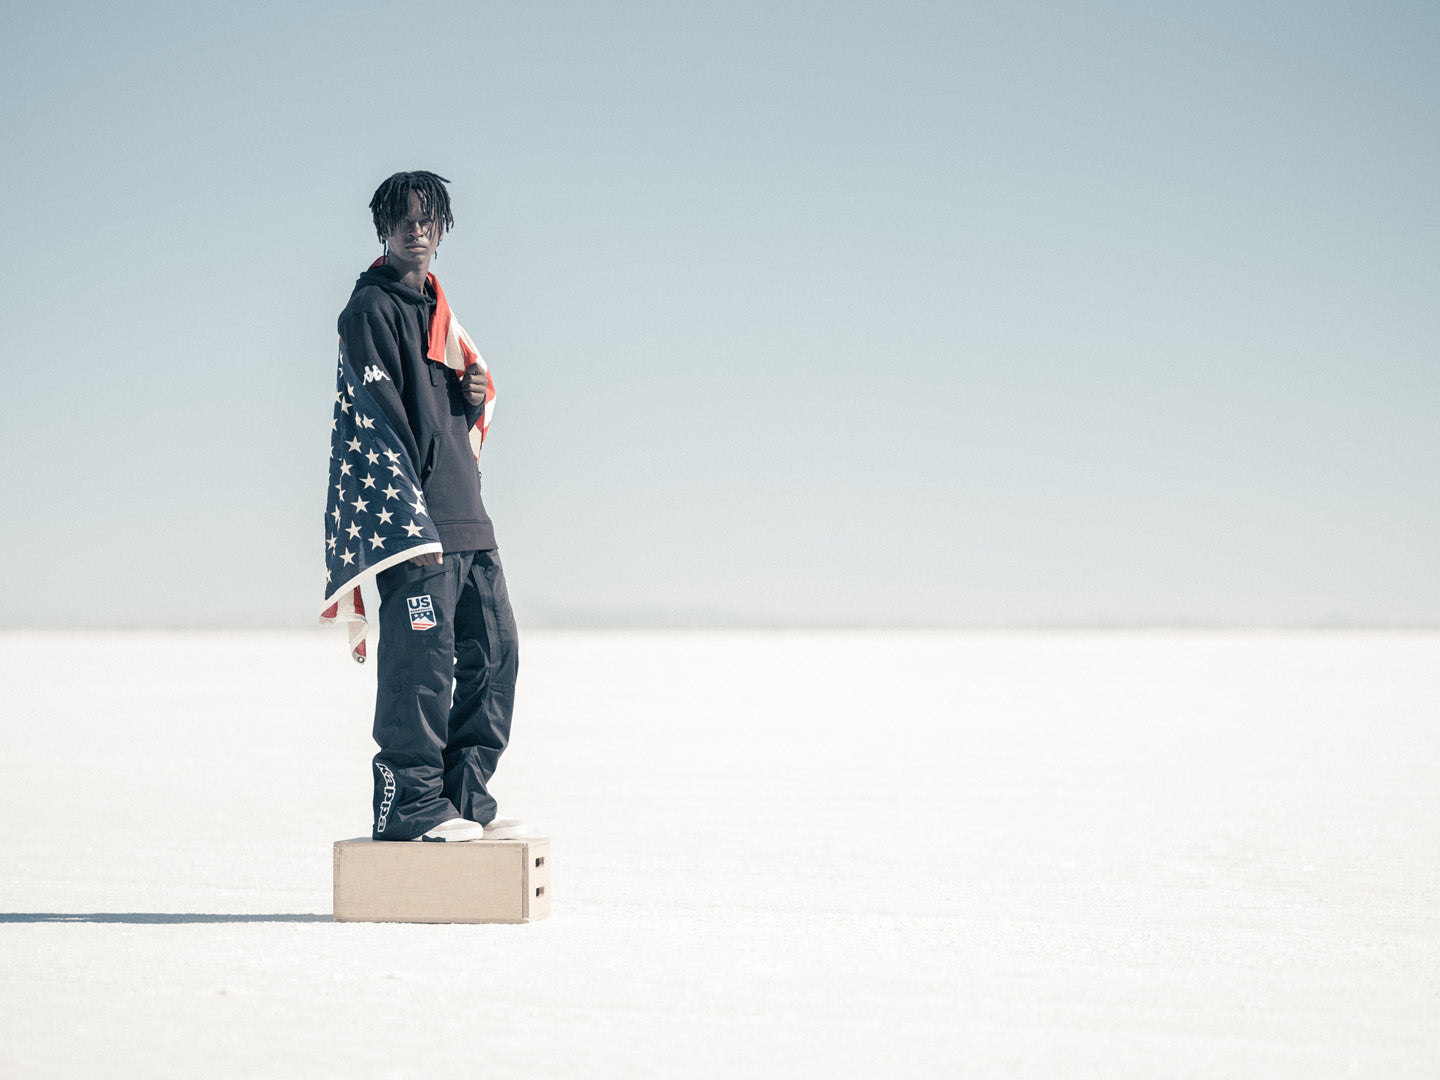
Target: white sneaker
(505, 829)
(456, 828)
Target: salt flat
(788, 854)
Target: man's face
(413, 240)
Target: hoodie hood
(387, 278)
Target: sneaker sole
(512, 832)
(453, 836)
(444, 839)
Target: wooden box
(474, 881)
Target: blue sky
(799, 312)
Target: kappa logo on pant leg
(422, 612)
(389, 797)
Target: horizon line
(772, 625)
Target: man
(448, 653)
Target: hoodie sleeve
(374, 353)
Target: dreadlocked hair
(391, 201)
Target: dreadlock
(392, 201)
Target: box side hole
(540, 890)
(539, 860)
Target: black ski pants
(445, 671)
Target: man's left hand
(473, 385)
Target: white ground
(775, 855)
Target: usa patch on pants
(422, 612)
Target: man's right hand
(428, 558)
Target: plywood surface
(474, 881)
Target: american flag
(375, 512)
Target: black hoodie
(385, 330)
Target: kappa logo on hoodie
(374, 374)
(422, 612)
